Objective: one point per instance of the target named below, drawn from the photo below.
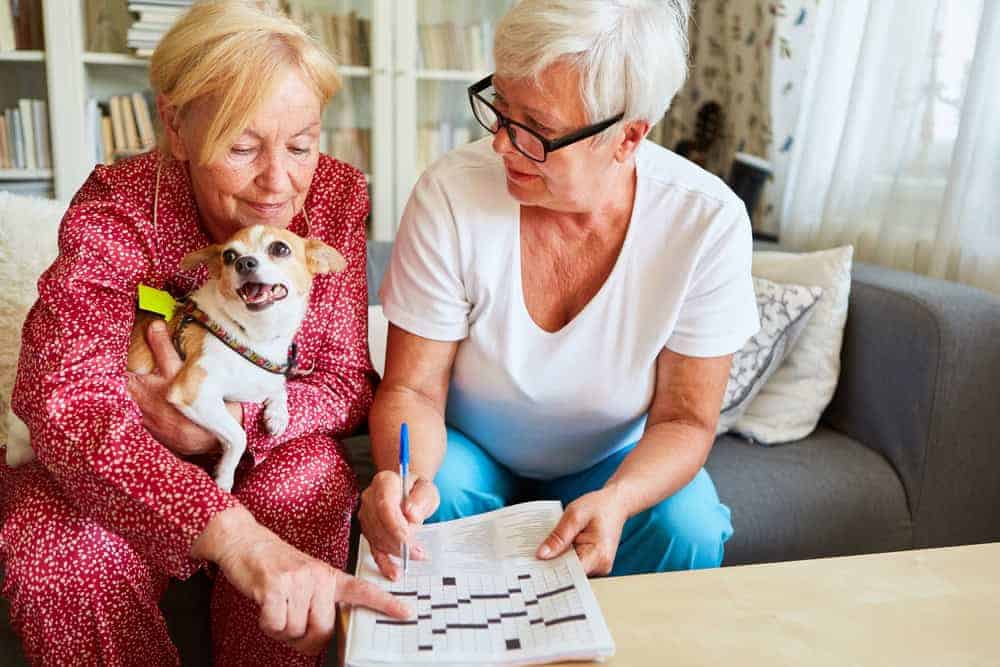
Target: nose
(245, 265)
(501, 141)
(273, 176)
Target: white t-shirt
(551, 404)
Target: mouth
(519, 176)
(266, 208)
(258, 296)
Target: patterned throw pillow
(784, 311)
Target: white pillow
(784, 312)
(378, 331)
(789, 405)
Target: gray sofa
(907, 454)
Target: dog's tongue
(255, 290)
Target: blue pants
(686, 531)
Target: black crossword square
(513, 644)
(448, 581)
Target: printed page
(483, 598)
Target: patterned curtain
(748, 57)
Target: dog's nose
(246, 265)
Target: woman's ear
(211, 256)
(321, 258)
(170, 122)
(634, 132)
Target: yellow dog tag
(156, 301)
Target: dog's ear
(321, 258)
(209, 256)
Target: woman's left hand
(161, 419)
(592, 524)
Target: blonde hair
(631, 54)
(235, 51)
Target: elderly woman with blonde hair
(114, 507)
(564, 299)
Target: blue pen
(404, 470)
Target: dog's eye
(278, 249)
(229, 256)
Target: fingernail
(159, 326)
(545, 551)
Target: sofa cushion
(790, 404)
(825, 495)
(784, 312)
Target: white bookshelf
(392, 98)
(24, 56)
(25, 175)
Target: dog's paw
(276, 417)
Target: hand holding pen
(393, 506)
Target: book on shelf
(348, 144)
(25, 136)
(27, 117)
(26, 23)
(346, 36)
(120, 127)
(43, 145)
(107, 23)
(155, 17)
(128, 122)
(4, 146)
(453, 46)
(433, 141)
(8, 41)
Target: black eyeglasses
(528, 142)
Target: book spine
(28, 130)
(17, 133)
(118, 124)
(41, 109)
(4, 145)
(146, 135)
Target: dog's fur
(212, 372)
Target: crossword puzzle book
(483, 598)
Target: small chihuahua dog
(235, 335)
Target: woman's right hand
(297, 593)
(387, 524)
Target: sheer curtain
(898, 148)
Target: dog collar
(190, 312)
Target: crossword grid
(485, 614)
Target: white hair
(632, 55)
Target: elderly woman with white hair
(564, 299)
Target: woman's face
(264, 176)
(571, 178)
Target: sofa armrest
(919, 384)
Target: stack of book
(449, 45)
(21, 25)
(155, 19)
(120, 127)
(346, 36)
(24, 136)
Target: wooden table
(927, 607)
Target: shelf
(22, 56)
(25, 174)
(354, 71)
(450, 75)
(128, 60)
